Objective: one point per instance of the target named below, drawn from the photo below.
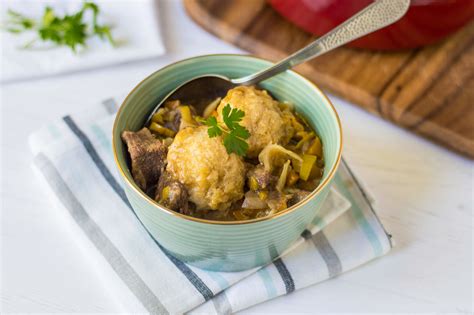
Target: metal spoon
(206, 88)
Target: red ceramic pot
(426, 22)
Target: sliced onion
(211, 107)
(284, 174)
(270, 154)
(252, 201)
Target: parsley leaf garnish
(69, 30)
(235, 144)
(234, 134)
(214, 129)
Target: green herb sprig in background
(70, 30)
(234, 134)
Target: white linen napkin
(135, 27)
(75, 159)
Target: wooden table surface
(424, 197)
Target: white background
(424, 197)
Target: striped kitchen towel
(74, 158)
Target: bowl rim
(286, 211)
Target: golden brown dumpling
(214, 179)
(263, 118)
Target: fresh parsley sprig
(70, 30)
(234, 135)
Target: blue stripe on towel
(359, 214)
(102, 137)
(285, 275)
(191, 275)
(219, 279)
(329, 255)
(222, 304)
(368, 202)
(267, 282)
(96, 158)
(188, 273)
(110, 105)
(319, 222)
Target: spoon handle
(374, 17)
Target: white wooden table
(424, 195)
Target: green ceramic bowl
(237, 245)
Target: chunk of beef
(173, 117)
(148, 156)
(277, 201)
(296, 196)
(175, 120)
(172, 194)
(263, 178)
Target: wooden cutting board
(429, 91)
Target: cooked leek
(239, 215)
(263, 195)
(211, 108)
(300, 134)
(275, 155)
(305, 139)
(253, 183)
(172, 104)
(165, 193)
(307, 165)
(315, 148)
(284, 174)
(162, 130)
(186, 114)
(158, 118)
(296, 124)
(292, 178)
